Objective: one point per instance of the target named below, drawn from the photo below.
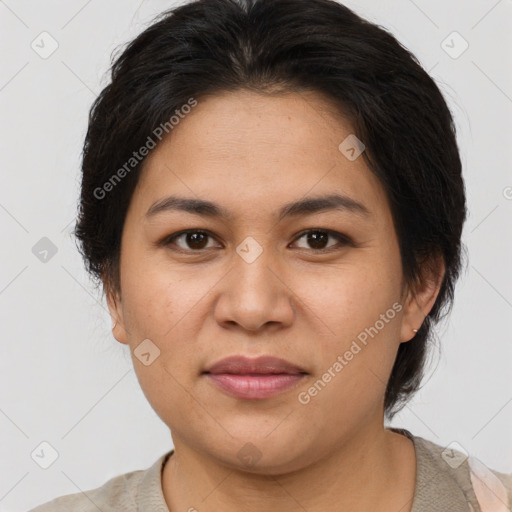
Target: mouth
(259, 378)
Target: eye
(318, 238)
(196, 240)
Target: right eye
(196, 240)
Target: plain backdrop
(66, 381)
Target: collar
(438, 487)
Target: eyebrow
(307, 206)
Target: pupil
(193, 239)
(314, 236)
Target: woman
(272, 198)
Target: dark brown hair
(395, 108)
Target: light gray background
(64, 378)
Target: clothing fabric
(446, 480)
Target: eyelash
(343, 239)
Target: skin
(251, 154)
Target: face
(320, 286)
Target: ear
(422, 296)
(116, 312)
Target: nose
(255, 295)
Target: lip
(254, 378)
(243, 365)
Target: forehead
(248, 148)
(243, 123)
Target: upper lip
(240, 365)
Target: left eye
(319, 237)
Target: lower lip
(255, 386)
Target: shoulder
(124, 492)
(448, 477)
(116, 491)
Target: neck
(375, 468)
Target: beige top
(446, 480)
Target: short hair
(206, 47)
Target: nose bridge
(254, 295)
(252, 262)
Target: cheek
(358, 309)
(157, 307)
(154, 295)
(166, 307)
(347, 299)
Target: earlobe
(119, 333)
(421, 300)
(116, 314)
(413, 319)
